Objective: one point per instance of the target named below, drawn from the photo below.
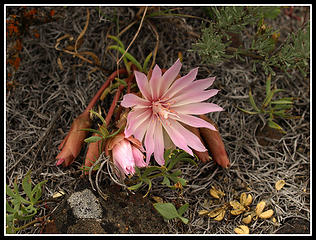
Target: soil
(47, 88)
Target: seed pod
(242, 229)
(279, 184)
(260, 207)
(245, 199)
(203, 212)
(203, 156)
(216, 193)
(267, 214)
(215, 144)
(215, 212)
(220, 216)
(247, 219)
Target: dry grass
(41, 108)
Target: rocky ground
(47, 88)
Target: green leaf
(9, 192)
(274, 125)
(135, 187)
(27, 184)
(268, 98)
(99, 116)
(282, 102)
(117, 40)
(145, 65)
(91, 130)
(150, 170)
(167, 210)
(128, 56)
(93, 139)
(148, 181)
(183, 208)
(9, 208)
(184, 220)
(252, 102)
(121, 81)
(166, 181)
(246, 111)
(37, 192)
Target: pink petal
(181, 83)
(143, 85)
(136, 118)
(149, 138)
(169, 76)
(138, 157)
(159, 144)
(194, 121)
(193, 97)
(192, 140)
(176, 137)
(130, 100)
(155, 82)
(197, 108)
(123, 157)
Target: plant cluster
(221, 40)
(242, 206)
(21, 208)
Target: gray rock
(84, 204)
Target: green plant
(166, 171)
(221, 40)
(279, 108)
(169, 211)
(22, 208)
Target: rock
(84, 204)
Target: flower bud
(71, 145)
(215, 144)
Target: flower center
(162, 110)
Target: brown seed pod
(203, 156)
(215, 144)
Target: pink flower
(166, 103)
(127, 153)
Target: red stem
(116, 98)
(103, 87)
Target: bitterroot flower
(167, 102)
(126, 153)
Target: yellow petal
(279, 184)
(266, 214)
(260, 207)
(242, 229)
(247, 219)
(203, 212)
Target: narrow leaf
(93, 139)
(252, 102)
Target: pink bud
(71, 145)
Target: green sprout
(22, 208)
(279, 108)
